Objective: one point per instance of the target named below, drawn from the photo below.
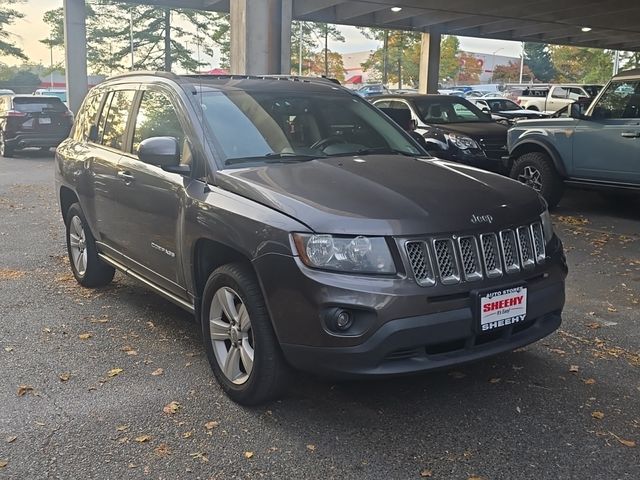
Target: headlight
(547, 226)
(461, 141)
(345, 254)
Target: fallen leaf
(142, 438)
(199, 455)
(612, 309)
(594, 325)
(311, 447)
(598, 415)
(211, 425)
(8, 349)
(187, 434)
(122, 428)
(558, 351)
(85, 336)
(3, 463)
(24, 389)
(6, 274)
(11, 439)
(162, 450)
(172, 407)
(475, 477)
(627, 443)
(248, 454)
(574, 368)
(589, 381)
(150, 325)
(114, 371)
(157, 371)
(64, 377)
(495, 380)
(426, 473)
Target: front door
(606, 145)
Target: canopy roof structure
(611, 24)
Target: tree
(449, 63)
(511, 73)
(333, 60)
(470, 68)
(584, 65)
(629, 60)
(538, 58)
(398, 60)
(313, 37)
(8, 16)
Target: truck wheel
(536, 170)
(5, 151)
(241, 346)
(534, 109)
(89, 270)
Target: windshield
(448, 110)
(502, 105)
(271, 126)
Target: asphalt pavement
(87, 375)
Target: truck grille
(470, 258)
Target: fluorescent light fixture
(396, 9)
(586, 29)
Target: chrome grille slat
(420, 261)
(446, 261)
(472, 257)
(509, 249)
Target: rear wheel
(5, 150)
(241, 345)
(536, 170)
(86, 266)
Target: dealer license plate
(502, 308)
(44, 121)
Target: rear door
(46, 116)
(606, 145)
(151, 202)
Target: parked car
(454, 128)
(551, 99)
(6, 91)
(372, 89)
(598, 149)
(303, 228)
(503, 109)
(61, 93)
(28, 121)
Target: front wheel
(89, 270)
(239, 340)
(536, 170)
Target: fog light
(343, 319)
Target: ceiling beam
(348, 10)
(306, 7)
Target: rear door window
(116, 118)
(39, 105)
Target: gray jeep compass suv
(303, 228)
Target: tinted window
(156, 118)
(116, 119)
(502, 105)
(448, 110)
(620, 100)
(87, 116)
(38, 104)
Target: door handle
(630, 134)
(126, 176)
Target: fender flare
(541, 145)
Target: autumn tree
(334, 65)
(313, 36)
(449, 62)
(470, 69)
(398, 58)
(584, 65)
(511, 73)
(538, 58)
(8, 16)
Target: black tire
(270, 373)
(533, 109)
(5, 151)
(550, 184)
(96, 273)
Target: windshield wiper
(272, 158)
(373, 151)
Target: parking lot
(89, 376)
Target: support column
(429, 62)
(75, 44)
(261, 37)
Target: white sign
(502, 308)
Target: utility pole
(521, 63)
(385, 59)
(130, 37)
(51, 64)
(616, 62)
(400, 46)
(326, 50)
(300, 50)
(167, 40)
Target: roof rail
(169, 75)
(293, 78)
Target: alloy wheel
(77, 245)
(231, 335)
(532, 177)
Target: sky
(28, 31)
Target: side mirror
(93, 133)
(414, 124)
(576, 110)
(163, 152)
(486, 110)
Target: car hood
(520, 113)
(384, 195)
(476, 130)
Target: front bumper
(479, 160)
(399, 327)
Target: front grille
(494, 148)
(452, 260)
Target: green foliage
(21, 79)
(581, 65)
(450, 66)
(538, 58)
(8, 16)
(402, 57)
(313, 38)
